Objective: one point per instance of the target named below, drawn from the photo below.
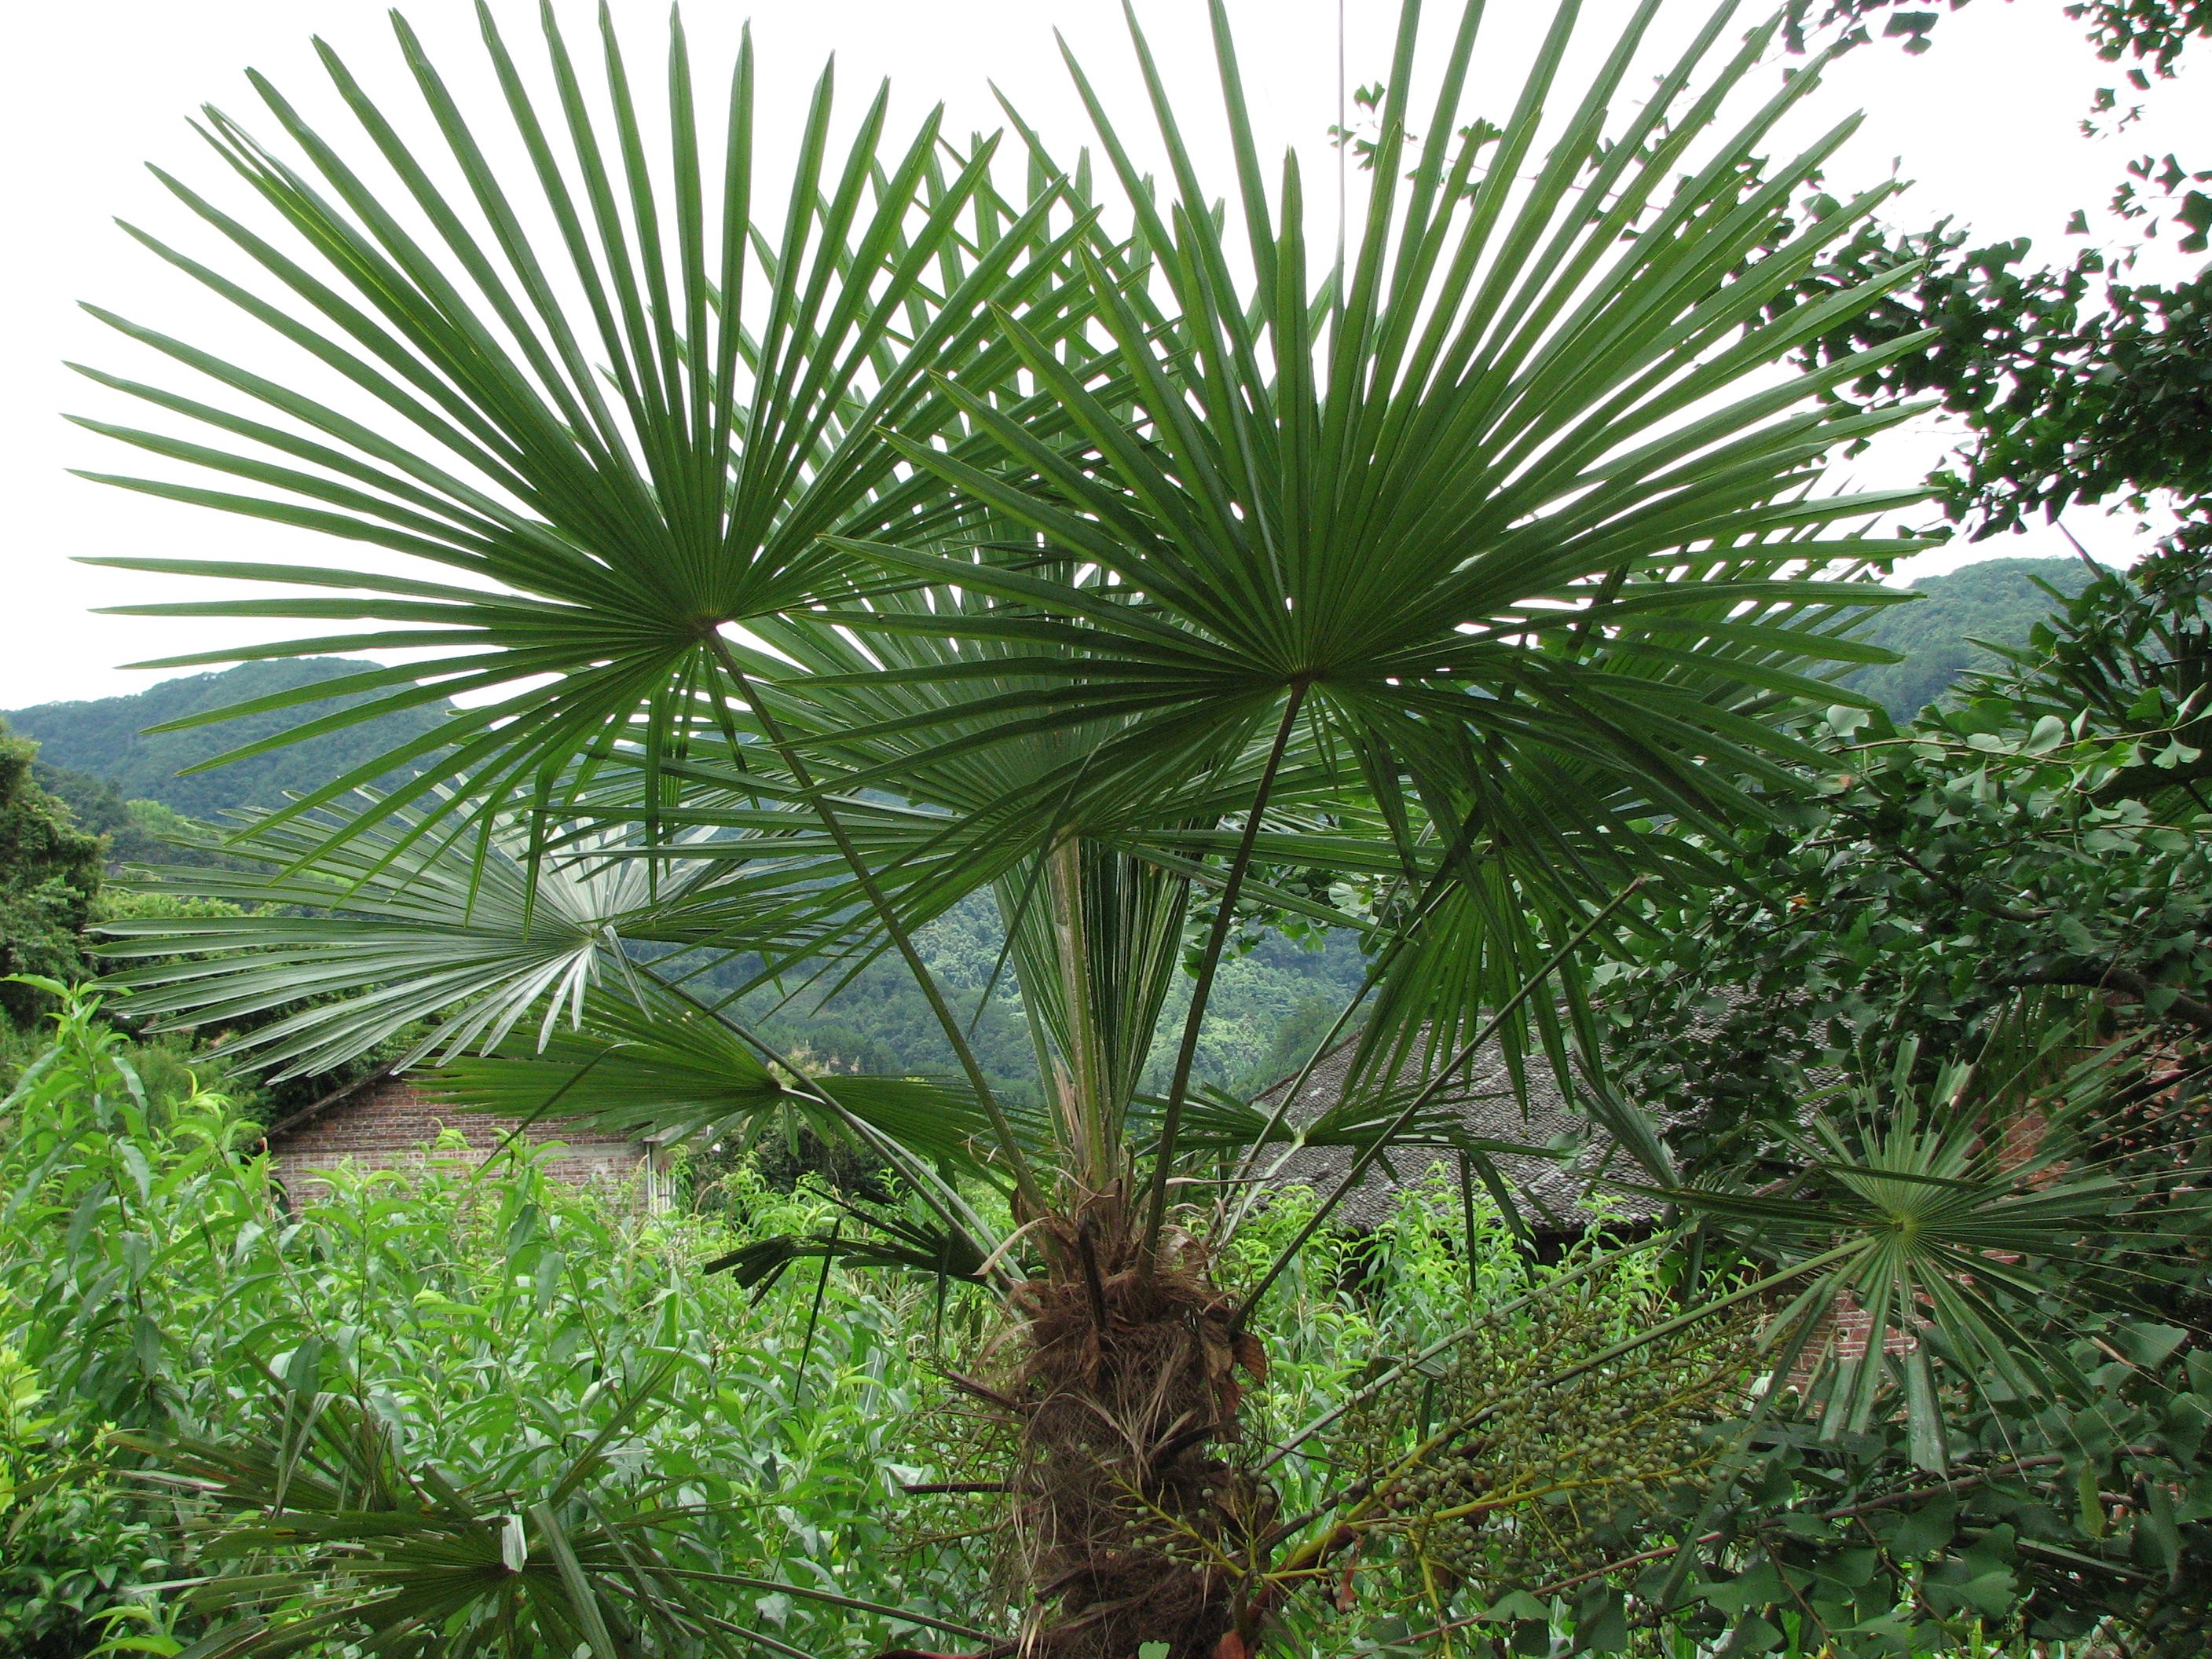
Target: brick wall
(391, 1124)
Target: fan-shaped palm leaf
(1520, 529)
(608, 450)
(1923, 1212)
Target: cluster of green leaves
(417, 1357)
(138, 833)
(2073, 384)
(76, 1546)
(2046, 832)
(48, 876)
(2052, 1517)
(2021, 881)
(492, 1326)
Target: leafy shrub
(72, 1544)
(158, 1281)
(503, 1330)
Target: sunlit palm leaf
(406, 927)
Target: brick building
(384, 1122)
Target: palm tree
(1089, 544)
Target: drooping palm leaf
(406, 925)
(669, 1068)
(340, 1537)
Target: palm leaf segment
(540, 983)
(342, 1536)
(1915, 1237)
(422, 1565)
(609, 453)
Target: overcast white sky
(1985, 123)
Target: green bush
(544, 1350)
(73, 1545)
(156, 1280)
(160, 1290)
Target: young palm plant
(803, 578)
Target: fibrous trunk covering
(1129, 1524)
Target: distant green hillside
(1996, 600)
(108, 738)
(119, 782)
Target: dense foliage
(2074, 383)
(534, 1345)
(137, 832)
(948, 547)
(49, 875)
(2023, 880)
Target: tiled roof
(1553, 1192)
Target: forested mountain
(108, 737)
(1270, 1008)
(1997, 600)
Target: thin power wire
(1343, 142)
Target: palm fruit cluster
(1507, 1465)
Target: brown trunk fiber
(1123, 1392)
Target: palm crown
(1067, 543)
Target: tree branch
(2110, 976)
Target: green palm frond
(336, 1536)
(406, 925)
(412, 915)
(811, 575)
(1511, 509)
(913, 1240)
(606, 450)
(1926, 1217)
(675, 1071)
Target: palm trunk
(1120, 1382)
(1124, 1394)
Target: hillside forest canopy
(943, 685)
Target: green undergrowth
(156, 1285)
